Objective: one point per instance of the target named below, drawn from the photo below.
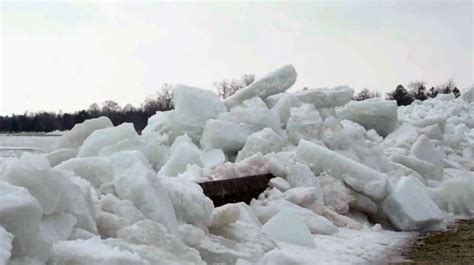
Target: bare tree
(227, 88)
(110, 106)
(366, 94)
(418, 90)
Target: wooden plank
(234, 190)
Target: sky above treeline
(68, 55)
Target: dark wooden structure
(234, 190)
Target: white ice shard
(409, 206)
(57, 156)
(255, 118)
(183, 153)
(290, 228)
(227, 136)
(189, 202)
(304, 123)
(428, 170)
(403, 136)
(5, 245)
(20, 215)
(300, 175)
(97, 171)
(159, 123)
(279, 183)
(106, 137)
(284, 104)
(212, 158)
(76, 136)
(135, 180)
(358, 176)
(58, 227)
(456, 195)
(149, 145)
(150, 233)
(265, 141)
(193, 107)
(380, 115)
(273, 83)
(424, 149)
(326, 97)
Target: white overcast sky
(67, 55)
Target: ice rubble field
(348, 175)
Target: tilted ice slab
(20, 215)
(136, 181)
(380, 115)
(410, 208)
(76, 136)
(106, 137)
(318, 97)
(193, 107)
(273, 83)
(288, 227)
(264, 141)
(225, 135)
(358, 176)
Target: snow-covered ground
(347, 176)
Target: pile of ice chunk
(107, 195)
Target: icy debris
(358, 176)
(302, 196)
(336, 194)
(182, 153)
(255, 118)
(424, 149)
(149, 233)
(279, 183)
(273, 83)
(219, 250)
(288, 227)
(304, 123)
(106, 137)
(227, 136)
(456, 195)
(136, 181)
(58, 227)
(410, 207)
(92, 252)
(122, 208)
(192, 235)
(284, 105)
(76, 136)
(326, 97)
(300, 175)
(20, 215)
(5, 245)
(264, 142)
(193, 107)
(189, 202)
(57, 156)
(212, 158)
(149, 145)
(363, 204)
(158, 123)
(428, 170)
(97, 171)
(225, 214)
(380, 115)
(403, 136)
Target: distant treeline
(417, 90)
(162, 100)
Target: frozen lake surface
(14, 145)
